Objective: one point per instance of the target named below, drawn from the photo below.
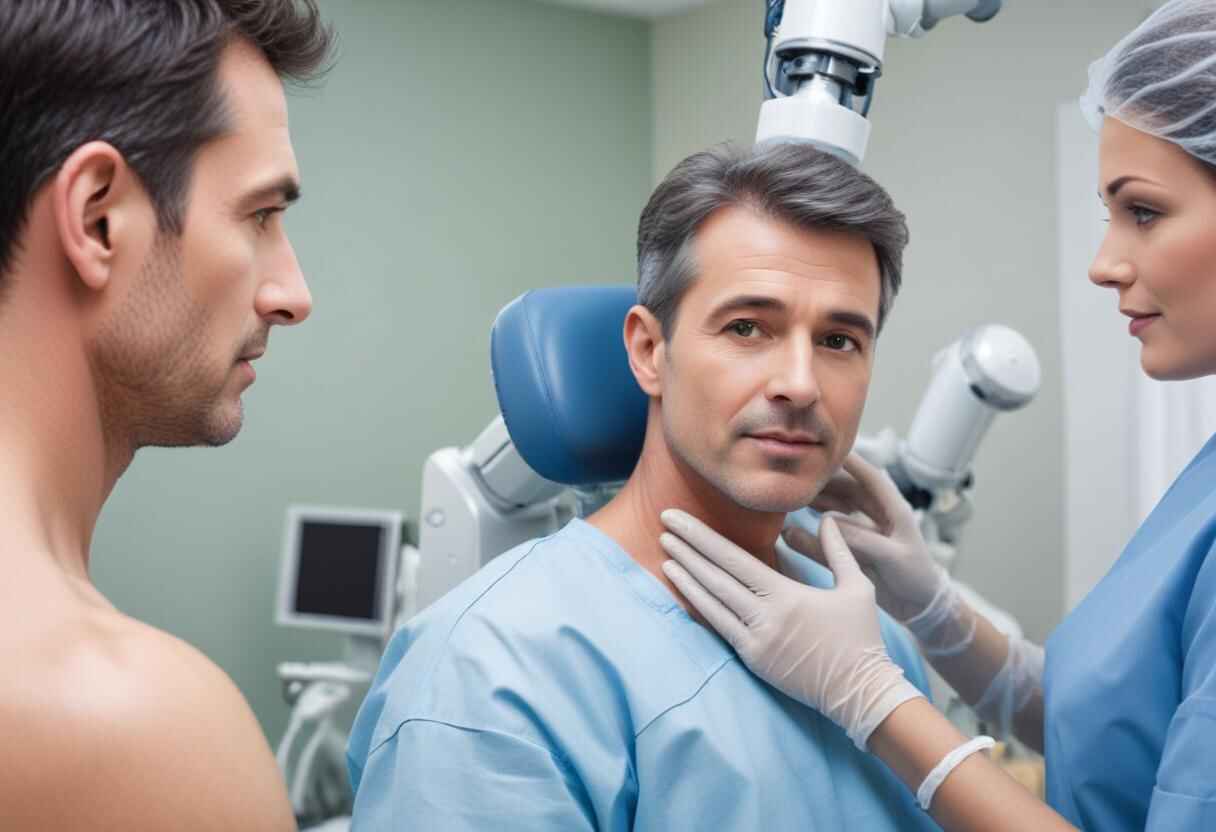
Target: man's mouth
(785, 443)
(788, 437)
(245, 361)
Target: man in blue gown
(565, 686)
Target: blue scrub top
(563, 688)
(1130, 684)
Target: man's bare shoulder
(128, 727)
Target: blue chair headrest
(567, 395)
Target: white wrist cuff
(1012, 687)
(874, 689)
(924, 795)
(947, 626)
(880, 709)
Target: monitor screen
(339, 569)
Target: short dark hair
(792, 182)
(141, 75)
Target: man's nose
(283, 298)
(792, 378)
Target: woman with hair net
(1123, 703)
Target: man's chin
(223, 419)
(772, 498)
(224, 426)
(214, 428)
(758, 487)
(770, 491)
(768, 504)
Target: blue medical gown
(1130, 684)
(563, 688)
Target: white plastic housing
(819, 120)
(948, 426)
(942, 9)
(913, 18)
(990, 370)
(860, 26)
(1003, 364)
(905, 18)
(509, 479)
(461, 528)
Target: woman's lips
(1141, 323)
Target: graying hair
(795, 183)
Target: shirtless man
(145, 163)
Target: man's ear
(646, 347)
(94, 201)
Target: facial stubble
(713, 464)
(157, 382)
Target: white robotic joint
(914, 18)
(827, 57)
(824, 124)
(989, 370)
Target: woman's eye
(841, 342)
(1142, 215)
(744, 329)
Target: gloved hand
(821, 647)
(883, 533)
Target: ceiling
(663, 8)
(633, 8)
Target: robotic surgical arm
(477, 502)
(824, 60)
(990, 370)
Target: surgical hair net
(1161, 78)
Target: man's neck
(661, 481)
(56, 466)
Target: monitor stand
(363, 653)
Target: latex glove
(1018, 683)
(883, 533)
(821, 647)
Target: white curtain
(1172, 422)
(1126, 436)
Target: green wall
(459, 154)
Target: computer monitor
(338, 569)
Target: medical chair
(568, 398)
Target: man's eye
(744, 329)
(263, 215)
(842, 343)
